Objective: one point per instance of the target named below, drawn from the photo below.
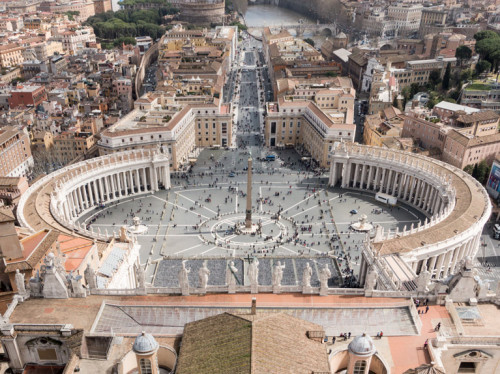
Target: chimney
(254, 306)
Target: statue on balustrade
(140, 276)
(253, 272)
(423, 279)
(306, 276)
(90, 277)
(19, 279)
(324, 276)
(203, 275)
(183, 278)
(278, 274)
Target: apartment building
(15, 152)
(307, 127)
(181, 129)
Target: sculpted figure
(278, 274)
(19, 279)
(183, 276)
(324, 275)
(253, 272)
(231, 274)
(423, 279)
(306, 276)
(139, 276)
(203, 274)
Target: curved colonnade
(85, 185)
(456, 206)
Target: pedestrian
(381, 334)
(349, 335)
(426, 309)
(333, 340)
(438, 326)
(426, 343)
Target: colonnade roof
(470, 205)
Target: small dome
(362, 346)
(341, 36)
(145, 343)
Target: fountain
(362, 225)
(137, 228)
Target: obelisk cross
(248, 217)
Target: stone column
(375, 181)
(166, 176)
(106, 185)
(356, 173)
(119, 183)
(382, 180)
(370, 178)
(91, 194)
(432, 264)
(79, 199)
(85, 196)
(456, 253)
(145, 181)
(154, 178)
(363, 176)
(137, 180)
(439, 265)
(333, 174)
(409, 182)
(447, 263)
(389, 182)
(113, 185)
(414, 190)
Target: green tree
(309, 41)
(446, 78)
(482, 171)
(435, 77)
(482, 66)
(463, 53)
(468, 169)
(486, 34)
(488, 49)
(466, 75)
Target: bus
(270, 157)
(385, 198)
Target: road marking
(187, 249)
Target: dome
(341, 36)
(145, 343)
(362, 346)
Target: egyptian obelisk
(248, 218)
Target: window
(359, 367)
(467, 367)
(145, 366)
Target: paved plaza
(196, 218)
(300, 218)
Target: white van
(386, 199)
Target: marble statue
(278, 274)
(306, 276)
(371, 279)
(253, 272)
(324, 275)
(231, 274)
(423, 279)
(19, 279)
(203, 274)
(124, 238)
(183, 278)
(90, 277)
(140, 277)
(49, 260)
